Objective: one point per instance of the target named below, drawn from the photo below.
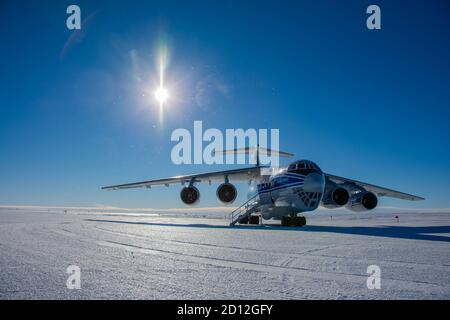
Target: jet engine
(190, 195)
(362, 201)
(335, 197)
(226, 193)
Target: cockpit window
(303, 167)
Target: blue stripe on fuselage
(284, 186)
(294, 179)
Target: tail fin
(257, 151)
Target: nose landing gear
(288, 221)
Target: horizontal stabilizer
(257, 151)
(260, 150)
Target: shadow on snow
(400, 232)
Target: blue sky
(75, 111)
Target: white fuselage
(291, 192)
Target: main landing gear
(250, 220)
(288, 221)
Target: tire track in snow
(252, 266)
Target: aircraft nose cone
(314, 182)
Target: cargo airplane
(281, 195)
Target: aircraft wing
(379, 191)
(242, 174)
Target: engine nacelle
(226, 193)
(362, 201)
(335, 197)
(190, 195)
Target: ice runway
(126, 256)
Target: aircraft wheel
(293, 221)
(244, 220)
(286, 221)
(300, 221)
(253, 220)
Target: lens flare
(161, 95)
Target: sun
(161, 95)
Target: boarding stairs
(243, 211)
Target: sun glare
(161, 95)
